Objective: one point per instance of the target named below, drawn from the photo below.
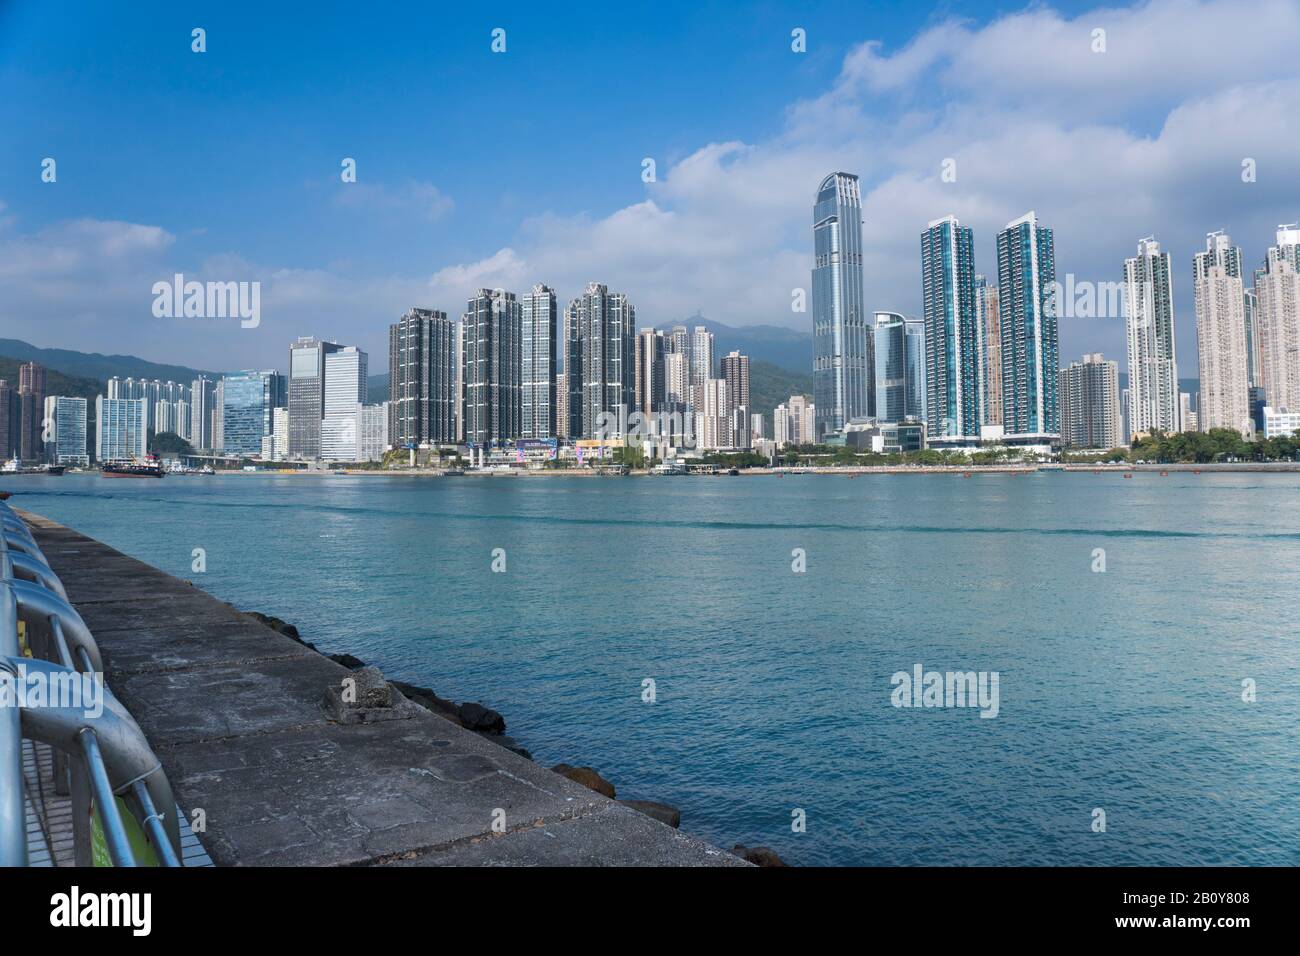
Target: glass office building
(66, 422)
(900, 368)
(248, 400)
(843, 369)
(307, 396)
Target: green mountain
(58, 383)
(786, 348)
(88, 365)
(770, 385)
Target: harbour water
(1119, 689)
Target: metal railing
(102, 756)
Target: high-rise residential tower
(843, 368)
(735, 372)
(538, 310)
(601, 362)
(649, 371)
(1277, 321)
(561, 405)
(678, 340)
(794, 422)
(1027, 308)
(422, 362)
(1221, 343)
(31, 410)
(1090, 409)
(493, 328)
(9, 422)
(1253, 372)
(702, 361)
(120, 432)
(573, 371)
(954, 350)
(989, 323)
(1220, 251)
(1152, 358)
(203, 404)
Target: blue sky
(244, 142)
(507, 169)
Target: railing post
(116, 757)
(119, 847)
(90, 752)
(82, 828)
(13, 821)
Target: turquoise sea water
(1118, 690)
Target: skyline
(890, 102)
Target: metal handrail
(111, 758)
(30, 569)
(36, 605)
(13, 818)
(22, 544)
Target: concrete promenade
(238, 716)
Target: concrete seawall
(237, 715)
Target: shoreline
(490, 725)
(1245, 467)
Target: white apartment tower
(1152, 359)
(1221, 341)
(1277, 321)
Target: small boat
(15, 467)
(149, 467)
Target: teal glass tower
(953, 348)
(1026, 290)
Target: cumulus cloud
(1108, 147)
(1145, 138)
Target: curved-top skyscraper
(843, 369)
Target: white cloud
(1145, 138)
(1107, 148)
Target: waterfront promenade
(270, 774)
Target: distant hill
(57, 383)
(785, 348)
(770, 386)
(97, 366)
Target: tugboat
(149, 467)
